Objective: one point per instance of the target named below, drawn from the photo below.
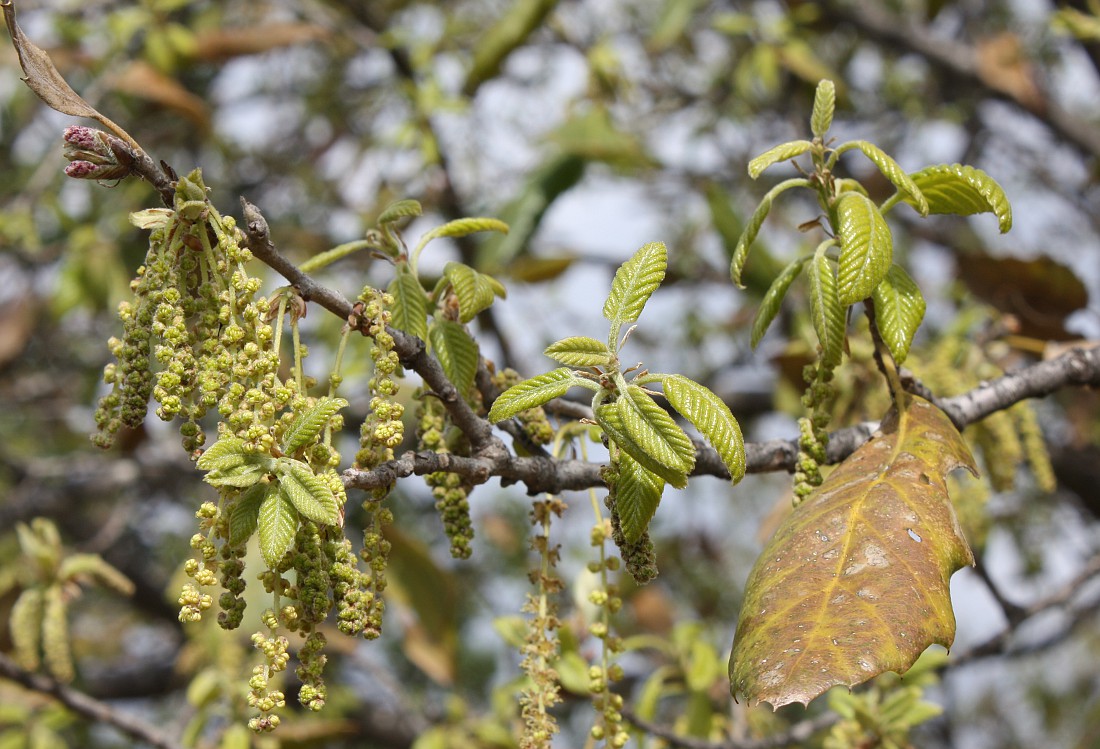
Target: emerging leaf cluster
(647, 443)
(856, 262)
(275, 492)
(457, 297)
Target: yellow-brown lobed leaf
(856, 581)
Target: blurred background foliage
(591, 128)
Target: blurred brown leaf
(1040, 293)
(143, 80)
(217, 45)
(1003, 65)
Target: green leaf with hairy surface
(310, 494)
(748, 236)
(462, 227)
(651, 427)
(635, 281)
(456, 351)
(410, 303)
(245, 512)
(892, 171)
(328, 257)
(399, 210)
(152, 218)
(609, 420)
(532, 393)
(856, 581)
(276, 522)
(866, 247)
(782, 152)
(579, 351)
(826, 311)
(227, 452)
(475, 291)
(964, 191)
(773, 299)
(712, 417)
(899, 309)
(824, 106)
(636, 497)
(309, 424)
(227, 463)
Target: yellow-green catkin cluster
(540, 645)
(451, 491)
(609, 726)
(1006, 439)
(383, 430)
(813, 438)
(261, 695)
(194, 335)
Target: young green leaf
(456, 351)
(748, 236)
(475, 292)
(609, 420)
(399, 210)
(891, 170)
(635, 282)
(276, 522)
(773, 299)
(899, 309)
(752, 228)
(460, 228)
(245, 511)
(964, 191)
(782, 152)
(309, 494)
(866, 247)
(328, 257)
(309, 424)
(824, 106)
(636, 497)
(826, 311)
(533, 392)
(82, 567)
(227, 463)
(227, 452)
(410, 303)
(712, 417)
(579, 351)
(650, 426)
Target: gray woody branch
(542, 474)
(87, 706)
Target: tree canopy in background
(389, 145)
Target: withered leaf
(43, 78)
(855, 581)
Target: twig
(86, 706)
(796, 734)
(998, 644)
(410, 349)
(961, 63)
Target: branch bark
(960, 62)
(87, 707)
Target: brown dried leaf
(855, 582)
(43, 78)
(143, 80)
(223, 44)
